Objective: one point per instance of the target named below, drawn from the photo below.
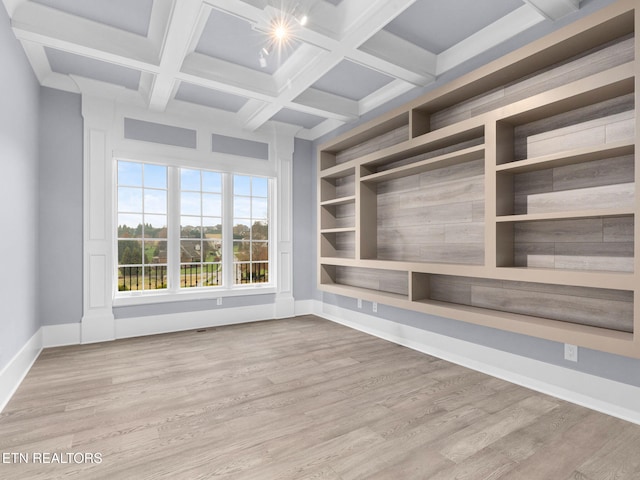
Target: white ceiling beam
(554, 9)
(319, 130)
(317, 102)
(182, 24)
(398, 58)
(499, 31)
(383, 95)
(46, 26)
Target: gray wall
(622, 369)
(304, 240)
(60, 207)
(19, 254)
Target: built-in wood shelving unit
(506, 198)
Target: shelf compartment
(338, 187)
(576, 214)
(607, 183)
(338, 213)
(588, 113)
(432, 217)
(589, 62)
(441, 142)
(590, 243)
(389, 283)
(338, 243)
(440, 161)
(569, 157)
(365, 139)
(595, 307)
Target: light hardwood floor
(293, 399)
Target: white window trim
(176, 293)
(104, 140)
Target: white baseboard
(607, 396)
(61, 335)
(13, 373)
(176, 322)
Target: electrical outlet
(570, 352)
(219, 301)
(359, 303)
(375, 307)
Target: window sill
(126, 299)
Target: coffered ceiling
(349, 58)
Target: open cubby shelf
(506, 198)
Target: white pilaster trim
(603, 395)
(12, 375)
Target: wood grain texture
(292, 399)
(374, 279)
(433, 217)
(588, 306)
(596, 60)
(398, 135)
(598, 244)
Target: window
(200, 228)
(142, 227)
(250, 230)
(203, 230)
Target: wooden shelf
(338, 230)
(535, 217)
(570, 157)
(548, 129)
(338, 201)
(441, 161)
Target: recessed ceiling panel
(439, 25)
(70, 64)
(132, 16)
(232, 39)
(353, 81)
(294, 117)
(209, 98)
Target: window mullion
(173, 234)
(227, 230)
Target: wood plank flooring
(299, 398)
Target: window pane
(212, 204)
(155, 277)
(212, 251)
(190, 251)
(190, 227)
(241, 185)
(190, 275)
(129, 252)
(260, 187)
(259, 251)
(155, 201)
(130, 174)
(259, 272)
(241, 251)
(130, 278)
(259, 208)
(155, 251)
(155, 226)
(211, 182)
(190, 203)
(155, 176)
(189, 179)
(242, 207)
(241, 231)
(211, 275)
(129, 225)
(130, 200)
(212, 228)
(260, 231)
